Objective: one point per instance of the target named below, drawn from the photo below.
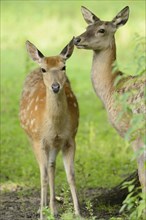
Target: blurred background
(102, 157)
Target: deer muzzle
(77, 40)
(55, 87)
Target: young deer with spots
(99, 37)
(49, 114)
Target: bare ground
(23, 205)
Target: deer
(100, 38)
(49, 114)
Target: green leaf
(130, 188)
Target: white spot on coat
(34, 130)
(32, 121)
(75, 105)
(36, 108)
(37, 99)
(28, 107)
(27, 122)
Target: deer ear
(121, 18)
(89, 17)
(68, 50)
(33, 52)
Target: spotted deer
(49, 115)
(99, 37)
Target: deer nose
(55, 87)
(77, 40)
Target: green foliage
(50, 26)
(67, 203)
(130, 96)
(47, 214)
(134, 203)
(70, 216)
(90, 209)
(139, 54)
(96, 139)
(114, 218)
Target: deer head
(99, 34)
(52, 68)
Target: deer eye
(101, 31)
(63, 68)
(43, 70)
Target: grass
(102, 157)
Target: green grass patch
(102, 157)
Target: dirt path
(18, 206)
(23, 205)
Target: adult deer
(99, 37)
(49, 115)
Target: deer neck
(101, 73)
(56, 105)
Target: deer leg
(142, 171)
(141, 161)
(42, 158)
(51, 171)
(68, 159)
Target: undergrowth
(98, 162)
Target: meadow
(103, 159)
